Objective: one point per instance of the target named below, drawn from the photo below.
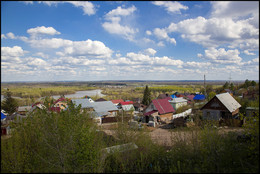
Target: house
(100, 99)
(199, 97)
(173, 96)
(178, 102)
(105, 108)
(221, 106)
(116, 102)
(55, 109)
(163, 96)
(106, 111)
(89, 98)
(23, 109)
(127, 106)
(139, 107)
(228, 91)
(180, 95)
(190, 98)
(35, 107)
(85, 104)
(61, 103)
(163, 107)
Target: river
(78, 94)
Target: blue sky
(129, 40)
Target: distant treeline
(165, 89)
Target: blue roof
(173, 96)
(3, 116)
(199, 97)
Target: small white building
(178, 102)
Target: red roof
(190, 97)
(127, 103)
(55, 109)
(163, 106)
(150, 112)
(60, 99)
(180, 95)
(117, 101)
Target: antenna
(230, 78)
(205, 84)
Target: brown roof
(117, 101)
(100, 99)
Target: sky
(129, 40)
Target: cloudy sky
(129, 40)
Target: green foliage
(226, 85)
(211, 95)
(52, 142)
(147, 96)
(9, 104)
(182, 109)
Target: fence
(183, 114)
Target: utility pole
(205, 85)
(230, 78)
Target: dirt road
(167, 137)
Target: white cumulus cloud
(171, 7)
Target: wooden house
(162, 107)
(61, 103)
(116, 102)
(221, 106)
(105, 111)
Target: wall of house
(210, 114)
(62, 105)
(113, 113)
(127, 107)
(166, 117)
(178, 105)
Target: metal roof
(163, 106)
(103, 107)
(24, 108)
(199, 97)
(230, 103)
(85, 103)
(178, 100)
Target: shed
(178, 102)
(221, 106)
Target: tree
(247, 83)
(147, 96)
(225, 86)
(232, 87)
(253, 83)
(47, 142)
(9, 104)
(211, 95)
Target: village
(166, 110)
(171, 120)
